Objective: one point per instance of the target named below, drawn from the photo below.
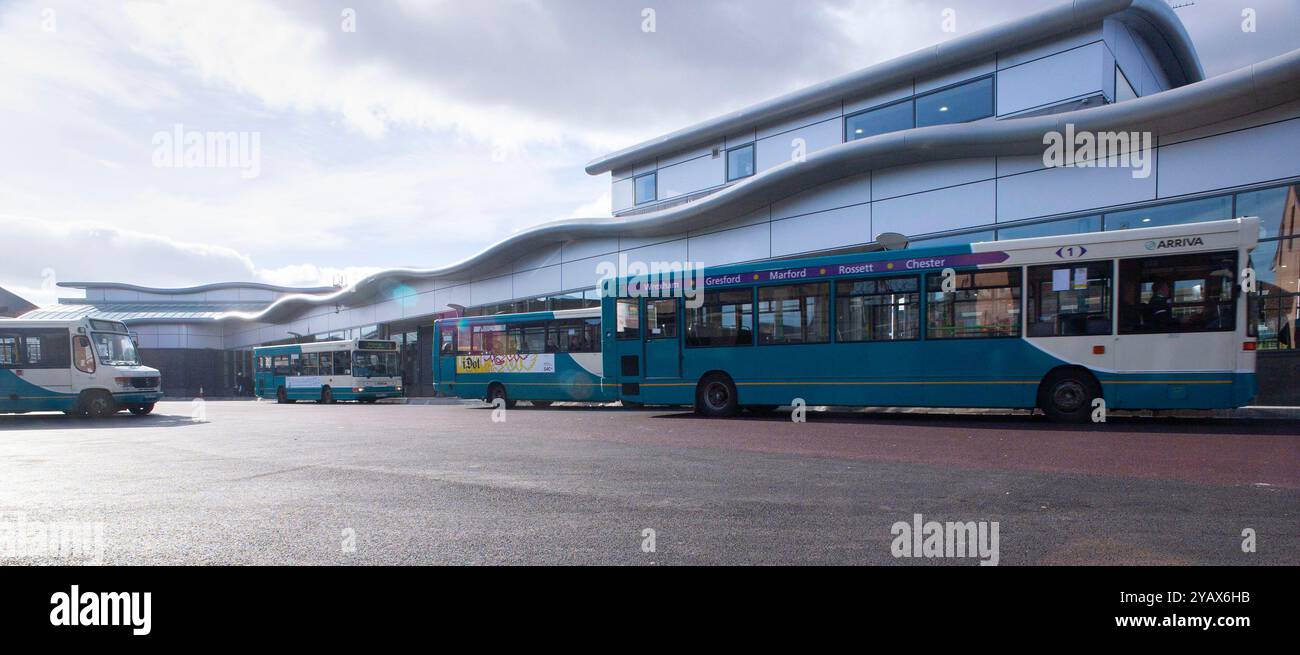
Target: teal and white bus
(364, 370)
(82, 367)
(540, 357)
(1149, 318)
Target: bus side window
(628, 318)
(9, 351)
(343, 363)
(309, 364)
(1178, 293)
(1070, 300)
(83, 354)
(295, 364)
(448, 337)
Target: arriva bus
(358, 369)
(1147, 318)
(85, 367)
(541, 357)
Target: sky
(401, 133)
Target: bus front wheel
(498, 390)
(1067, 396)
(98, 404)
(716, 396)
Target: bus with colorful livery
(81, 367)
(1151, 318)
(364, 370)
(540, 357)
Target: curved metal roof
(216, 286)
(1153, 20)
(1251, 89)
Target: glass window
(447, 340)
(343, 362)
(325, 364)
(531, 338)
(890, 118)
(627, 319)
(494, 339)
(726, 318)
(1178, 293)
(959, 104)
(796, 313)
(574, 336)
(882, 309)
(647, 188)
(1123, 89)
(1070, 300)
(1053, 228)
(464, 339)
(295, 364)
(280, 365)
(1278, 210)
(84, 354)
(661, 318)
(985, 304)
(309, 364)
(1191, 211)
(740, 162)
(9, 350)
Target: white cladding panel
(829, 229)
(1042, 82)
(953, 208)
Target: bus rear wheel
(1067, 396)
(141, 410)
(498, 390)
(716, 396)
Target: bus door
(663, 341)
(445, 356)
(629, 348)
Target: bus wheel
(716, 396)
(98, 404)
(543, 404)
(326, 396)
(282, 397)
(1066, 396)
(141, 410)
(498, 390)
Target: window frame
(753, 164)
(636, 186)
(920, 305)
(849, 138)
(1109, 297)
(803, 326)
(1173, 304)
(993, 100)
(1018, 292)
(753, 320)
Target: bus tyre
(282, 397)
(141, 410)
(716, 396)
(98, 404)
(326, 396)
(1066, 396)
(498, 390)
